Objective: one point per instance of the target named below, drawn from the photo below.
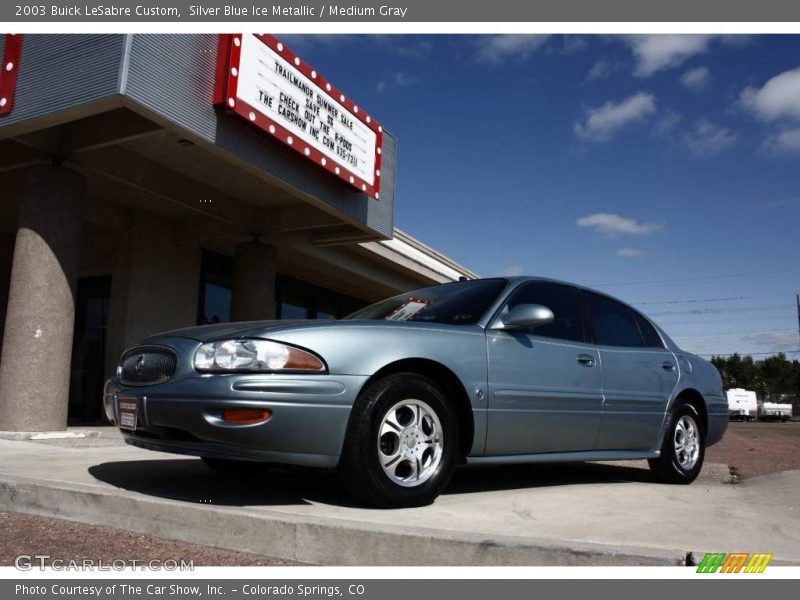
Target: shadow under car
(190, 480)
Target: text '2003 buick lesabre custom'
(397, 394)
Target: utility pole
(798, 315)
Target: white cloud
(399, 80)
(406, 46)
(630, 252)
(778, 102)
(667, 124)
(498, 48)
(782, 203)
(778, 99)
(573, 44)
(600, 70)
(615, 225)
(702, 139)
(769, 341)
(513, 270)
(603, 122)
(735, 40)
(706, 139)
(656, 52)
(696, 79)
(304, 42)
(773, 341)
(784, 142)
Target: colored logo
(735, 562)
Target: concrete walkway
(546, 514)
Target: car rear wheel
(402, 443)
(683, 448)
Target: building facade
(131, 204)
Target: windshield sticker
(407, 310)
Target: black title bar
(492, 11)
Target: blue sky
(664, 170)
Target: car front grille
(147, 365)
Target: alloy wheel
(687, 442)
(410, 443)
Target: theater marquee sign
(12, 53)
(263, 81)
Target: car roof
(519, 279)
(523, 278)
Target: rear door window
(613, 323)
(649, 333)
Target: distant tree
(772, 378)
(737, 371)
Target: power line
(797, 296)
(741, 334)
(701, 278)
(702, 300)
(717, 311)
(699, 300)
(750, 353)
(668, 323)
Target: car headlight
(254, 355)
(108, 400)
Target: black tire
(668, 467)
(234, 468)
(360, 468)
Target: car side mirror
(527, 316)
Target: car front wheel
(402, 443)
(683, 448)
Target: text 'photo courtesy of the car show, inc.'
(381, 299)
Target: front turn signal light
(246, 416)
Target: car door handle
(585, 360)
(667, 366)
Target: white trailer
(742, 404)
(772, 411)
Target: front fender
(364, 349)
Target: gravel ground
(65, 540)
(758, 448)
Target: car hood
(207, 333)
(266, 329)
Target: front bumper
(308, 424)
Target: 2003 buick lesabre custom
(397, 394)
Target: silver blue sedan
(396, 395)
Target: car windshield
(460, 303)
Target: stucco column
(37, 341)
(7, 240)
(154, 285)
(253, 282)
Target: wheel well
(696, 399)
(452, 387)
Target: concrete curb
(328, 541)
(18, 436)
